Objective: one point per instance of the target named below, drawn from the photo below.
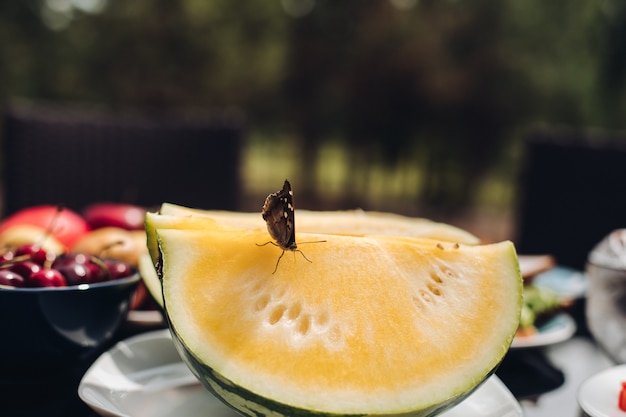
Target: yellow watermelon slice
(372, 325)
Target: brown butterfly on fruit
(278, 213)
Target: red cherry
(75, 273)
(35, 253)
(25, 268)
(10, 278)
(81, 268)
(118, 269)
(98, 272)
(47, 277)
(71, 258)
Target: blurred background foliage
(406, 105)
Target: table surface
(578, 358)
(545, 380)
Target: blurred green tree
(446, 85)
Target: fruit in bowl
(32, 266)
(362, 324)
(104, 230)
(24, 234)
(113, 242)
(122, 245)
(57, 309)
(63, 224)
(121, 215)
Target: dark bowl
(48, 328)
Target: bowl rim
(135, 277)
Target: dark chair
(74, 156)
(573, 193)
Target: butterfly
(278, 213)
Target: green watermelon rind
(254, 405)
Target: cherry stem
(20, 258)
(101, 265)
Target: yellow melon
(346, 222)
(368, 325)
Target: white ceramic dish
(558, 329)
(143, 376)
(598, 395)
(147, 318)
(568, 283)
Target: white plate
(143, 376)
(567, 282)
(598, 395)
(145, 318)
(558, 329)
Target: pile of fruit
(49, 246)
(30, 265)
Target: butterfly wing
(278, 213)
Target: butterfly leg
(263, 244)
(283, 252)
(303, 255)
(278, 261)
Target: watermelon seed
(280, 292)
(258, 286)
(417, 301)
(322, 319)
(449, 273)
(294, 311)
(435, 277)
(277, 314)
(304, 324)
(426, 296)
(262, 302)
(434, 289)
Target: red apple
(64, 224)
(124, 216)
